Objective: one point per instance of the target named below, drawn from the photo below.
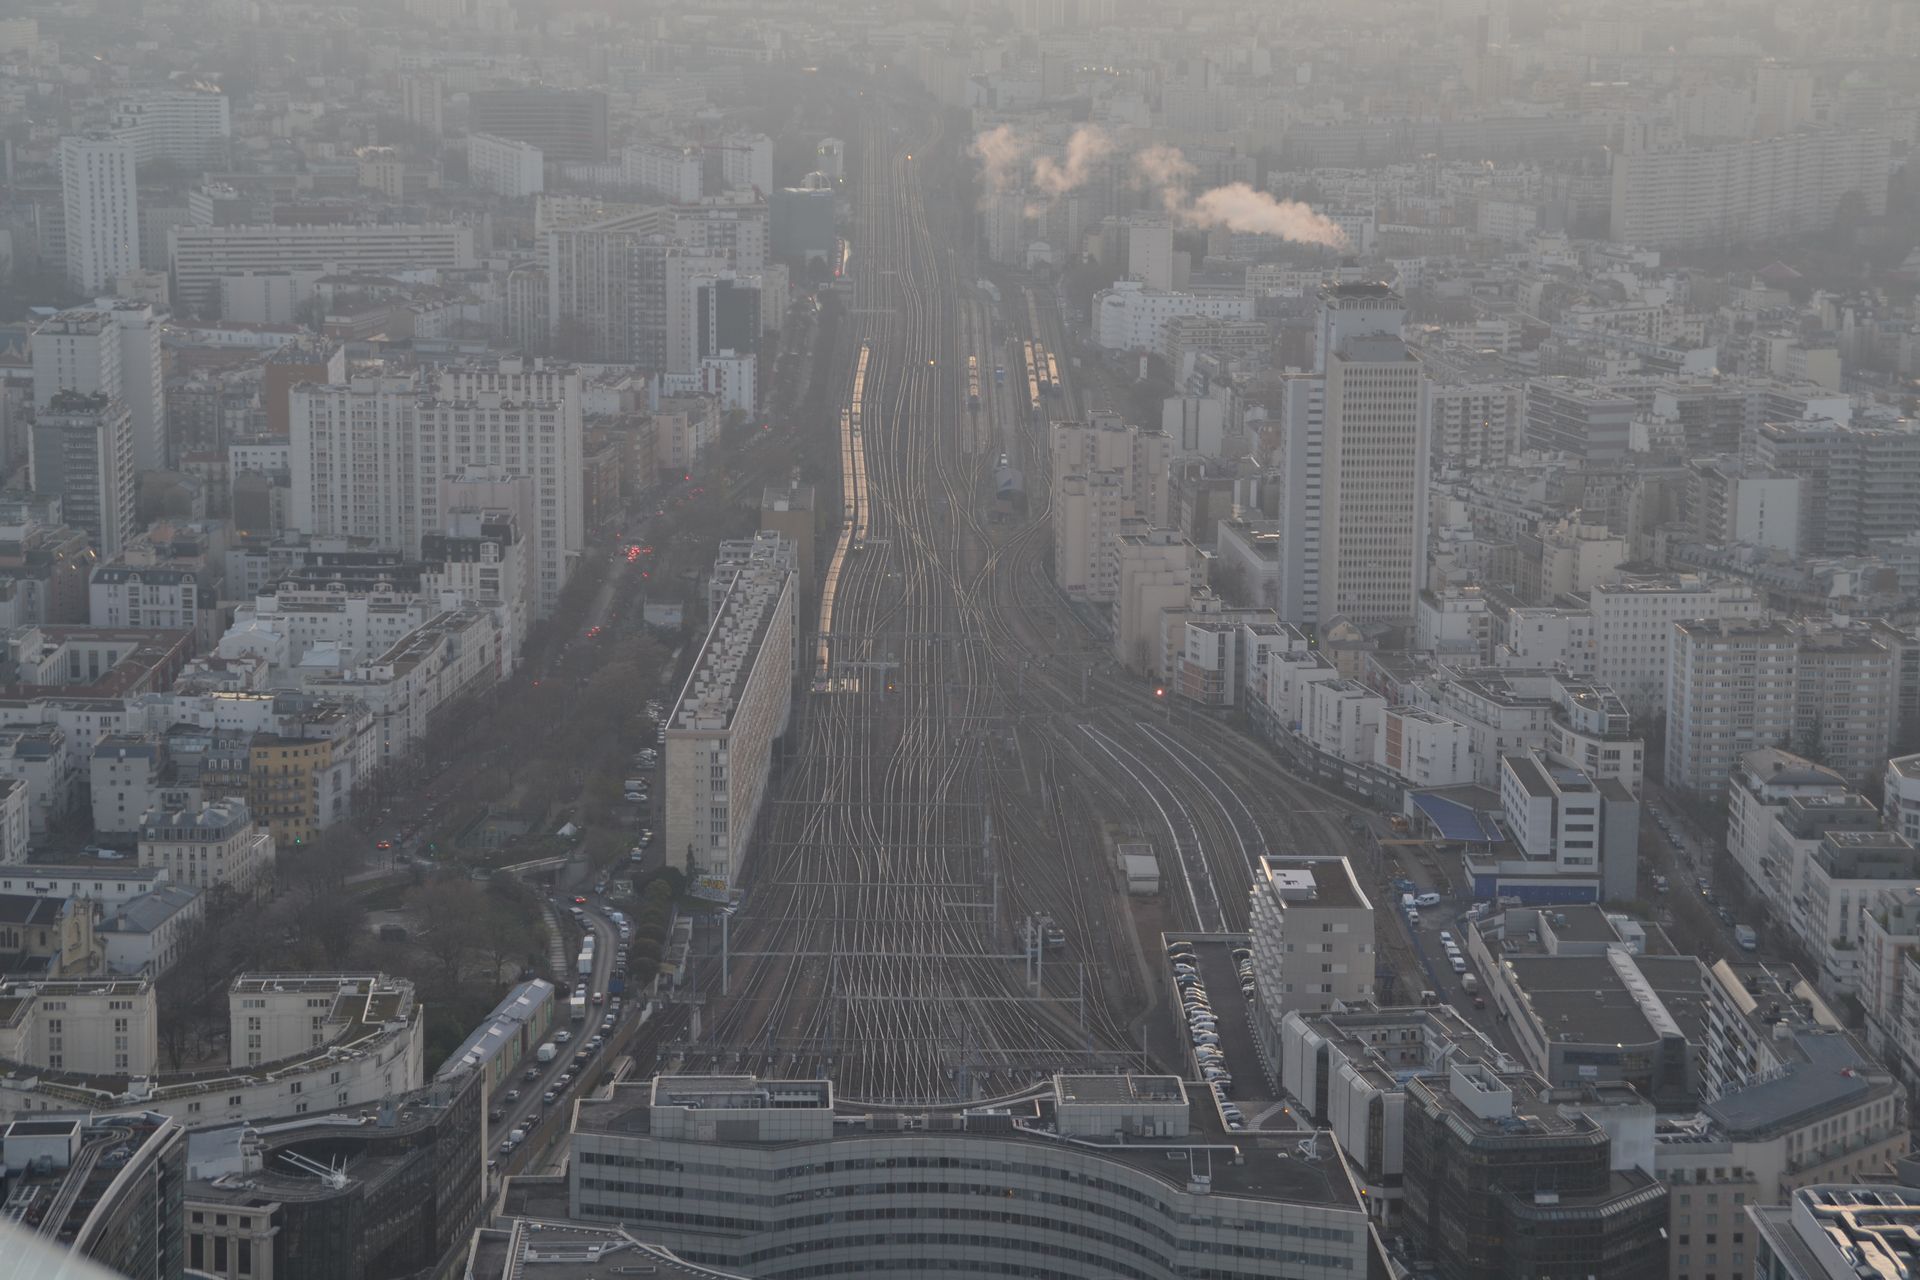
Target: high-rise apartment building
(353, 448)
(1471, 421)
(112, 348)
(525, 416)
(101, 205)
(83, 453)
(1632, 623)
(1731, 687)
(566, 124)
(1857, 484)
(370, 458)
(186, 127)
(1105, 471)
(1373, 504)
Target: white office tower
(102, 209)
(1373, 503)
(352, 452)
(188, 127)
(82, 453)
(523, 415)
(111, 348)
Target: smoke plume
(1000, 151)
(1166, 172)
(1238, 207)
(1086, 148)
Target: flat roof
(1582, 922)
(1259, 1166)
(1584, 998)
(1325, 880)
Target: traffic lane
(546, 1075)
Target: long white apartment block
(720, 735)
(505, 166)
(1131, 317)
(187, 127)
(202, 255)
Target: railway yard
(931, 908)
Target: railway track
(966, 750)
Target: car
(1205, 1037)
(1445, 937)
(1184, 968)
(593, 1045)
(513, 1095)
(599, 997)
(566, 1078)
(506, 1146)
(562, 1036)
(579, 901)
(531, 1073)
(1243, 953)
(606, 1023)
(1479, 1001)
(1179, 944)
(497, 1114)
(549, 1096)
(384, 845)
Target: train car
(973, 382)
(1053, 375)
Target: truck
(1746, 937)
(586, 963)
(616, 985)
(547, 1052)
(579, 1008)
(1470, 983)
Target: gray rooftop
(149, 911)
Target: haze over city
(1076, 639)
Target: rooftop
(1326, 881)
(1587, 999)
(563, 1250)
(1865, 1231)
(731, 650)
(1266, 1166)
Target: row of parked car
(1204, 1028)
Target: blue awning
(1455, 821)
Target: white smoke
(1088, 146)
(1000, 151)
(1238, 207)
(1166, 172)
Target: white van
(1427, 900)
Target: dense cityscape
(1075, 639)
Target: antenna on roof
(332, 1176)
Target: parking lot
(1215, 966)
